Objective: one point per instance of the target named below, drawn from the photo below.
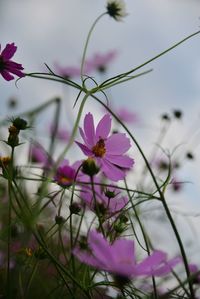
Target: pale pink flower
(108, 151)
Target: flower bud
(59, 220)
(189, 156)
(110, 194)
(13, 138)
(5, 161)
(123, 218)
(75, 208)
(89, 167)
(20, 123)
(177, 114)
(165, 117)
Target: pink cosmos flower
(71, 71)
(38, 154)
(194, 269)
(7, 66)
(109, 201)
(119, 258)
(108, 151)
(127, 116)
(100, 61)
(65, 173)
(62, 134)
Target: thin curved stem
(116, 78)
(87, 42)
(75, 128)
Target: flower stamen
(99, 149)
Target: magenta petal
(87, 258)
(6, 75)
(148, 265)
(126, 249)
(89, 129)
(101, 249)
(84, 149)
(111, 171)
(122, 161)
(14, 65)
(64, 162)
(17, 72)
(9, 51)
(117, 204)
(83, 136)
(117, 144)
(167, 267)
(103, 127)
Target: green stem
(118, 77)
(54, 77)
(96, 206)
(55, 127)
(87, 42)
(10, 177)
(144, 236)
(33, 272)
(75, 128)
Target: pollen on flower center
(65, 180)
(99, 149)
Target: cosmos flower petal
(16, 72)
(9, 51)
(117, 144)
(148, 265)
(108, 152)
(127, 250)
(117, 204)
(89, 129)
(121, 161)
(84, 149)
(6, 75)
(127, 116)
(166, 267)
(65, 162)
(103, 127)
(9, 67)
(119, 258)
(113, 172)
(13, 65)
(100, 247)
(83, 136)
(87, 258)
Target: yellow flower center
(28, 252)
(99, 149)
(65, 180)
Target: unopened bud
(74, 208)
(59, 220)
(89, 167)
(20, 123)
